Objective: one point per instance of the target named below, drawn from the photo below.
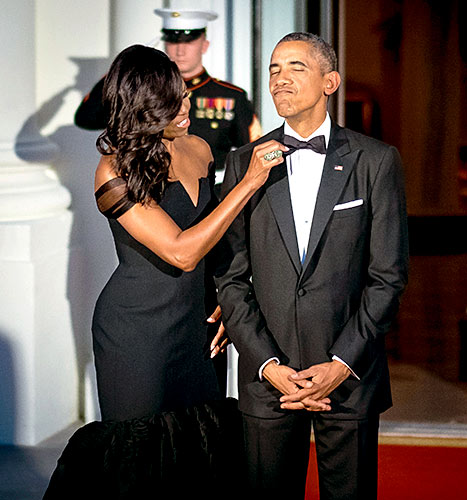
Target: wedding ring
(272, 155)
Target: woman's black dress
(149, 329)
(166, 433)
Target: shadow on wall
(7, 392)
(92, 254)
(14, 460)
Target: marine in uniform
(220, 112)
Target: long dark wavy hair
(143, 92)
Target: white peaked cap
(183, 19)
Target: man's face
(296, 84)
(188, 56)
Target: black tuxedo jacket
(342, 300)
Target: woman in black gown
(152, 182)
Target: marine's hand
(325, 377)
(259, 167)
(220, 341)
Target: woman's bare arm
(153, 227)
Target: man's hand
(281, 377)
(325, 378)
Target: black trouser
(277, 453)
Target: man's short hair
(321, 49)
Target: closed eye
(297, 66)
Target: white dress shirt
(304, 170)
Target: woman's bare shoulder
(193, 157)
(199, 146)
(105, 171)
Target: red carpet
(412, 473)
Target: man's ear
(205, 46)
(332, 82)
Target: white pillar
(132, 24)
(278, 19)
(38, 375)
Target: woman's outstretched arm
(153, 227)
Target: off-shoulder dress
(149, 330)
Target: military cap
(184, 25)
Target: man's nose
(283, 78)
(181, 48)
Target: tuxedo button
(301, 292)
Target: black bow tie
(317, 144)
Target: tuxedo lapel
(338, 166)
(278, 195)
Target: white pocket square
(349, 204)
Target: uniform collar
(197, 80)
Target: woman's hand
(220, 341)
(185, 248)
(264, 157)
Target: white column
(278, 19)
(242, 57)
(38, 376)
(132, 24)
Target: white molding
(31, 192)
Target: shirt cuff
(336, 358)
(260, 371)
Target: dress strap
(112, 198)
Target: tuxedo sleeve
(387, 271)
(242, 317)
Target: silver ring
(272, 155)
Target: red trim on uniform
(203, 76)
(198, 75)
(200, 84)
(208, 79)
(228, 85)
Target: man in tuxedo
(319, 261)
